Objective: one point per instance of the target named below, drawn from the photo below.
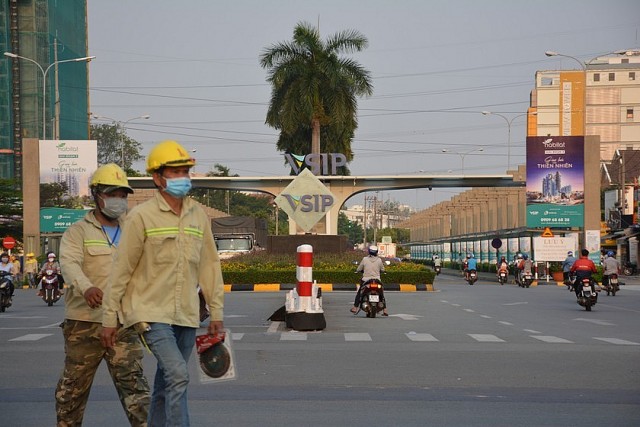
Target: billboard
(555, 181)
(68, 162)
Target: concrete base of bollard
(303, 321)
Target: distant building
(45, 32)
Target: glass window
(629, 113)
(612, 77)
(596, 77)
(632, 75)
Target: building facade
(48, 100)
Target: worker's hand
(93, 297)
(216, 327)
(108, 337)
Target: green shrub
(261, 267)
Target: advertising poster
(447, 251)
(555, 181)
(484, 251)
(513, 247)
(525, 245)
(68, 162)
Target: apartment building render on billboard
(52, 34)
(611, 86)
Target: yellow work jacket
(161, 259)
(86, 260)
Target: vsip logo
(318, 164)
(306, 200)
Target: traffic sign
(547, 232)
(8, 242)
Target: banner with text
(555, 181)
(68, 162)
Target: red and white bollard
(304, 303)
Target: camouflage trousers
(84, 352)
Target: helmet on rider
(373, 250)
(470, 255)
(519, 256)
(168, 153)
(525, 256)
(610, 254)
(108, 178)
(51, 256)
(569, 253)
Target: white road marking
(456, 305)
(53, 325)
(617, 341)
(485, 316)
(506, 323)
(405, 316)
(516, 303)
(551, 339)
(469, 310)
(421, 337)
(357, 336)
(31, 337)
(485, 338)
(596, 321)
(273, 328)
(532, 331)
(293, 336)
(237, 336)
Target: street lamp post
(509, 122)
(120, 130)
(463, 155)
(44, 81)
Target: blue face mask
(178, 187)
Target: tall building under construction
(43, 90)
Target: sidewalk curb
(326, 287)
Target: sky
(193, 67)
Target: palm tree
(313, 86)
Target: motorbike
(437, 269)
(612, 286)
(503, 276)
(5, 291)
(629, 269)
(587, 297)
(372, 302)
(51, 291)
(525, 280)
(472, 277)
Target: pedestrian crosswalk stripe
(551, 339)
(485, 338)
(421, 337)
(617, 341)
(506, 323)
(31, 337)
(357, 336)
(293, 336)
(237, 336)
(468, 310)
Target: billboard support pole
(31, 204)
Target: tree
(349, 228)
(114, 146)
(10, 209)
(313, 86)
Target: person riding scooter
(51, 264)
(7, 266)
(371, 266)
(611, 267)
(583, 268)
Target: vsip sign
(306, 200)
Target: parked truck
(235, 235)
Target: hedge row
(288, 276)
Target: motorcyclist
(7, 266)
(472, 264)
(611, 266)
(465, 267)
(501, 266)
(437, 262)
(584, 268)
(371, 267)
(566, 267)
(50, 264)
(516, 271)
